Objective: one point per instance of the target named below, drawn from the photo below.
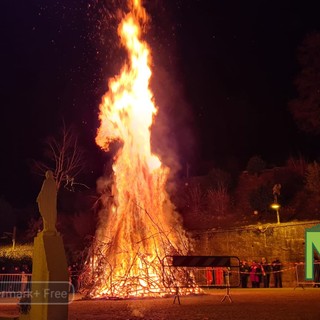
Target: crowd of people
(259, 273)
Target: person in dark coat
(277, 272)
(244, 274)
(266, 270)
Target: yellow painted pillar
(50, 287)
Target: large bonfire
(139, 228)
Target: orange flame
(141, 227)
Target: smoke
(173, 134)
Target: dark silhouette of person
(47, 203)
(244, 273)
(265, 269)
(276, 267)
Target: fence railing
(11, 283)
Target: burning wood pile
(138, 226)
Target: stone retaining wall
(285, 241)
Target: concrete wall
(285, 241)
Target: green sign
(312, 244)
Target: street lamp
(276, 206)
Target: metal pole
(14, 237)
(278, 216)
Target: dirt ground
(262, 304)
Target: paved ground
(260, 304)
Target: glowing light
(139, 226)
(275, 206)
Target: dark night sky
(223, 76)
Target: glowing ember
(139, 226)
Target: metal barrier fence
(209, 271)
(218, 277)
(301, 275)
(11, 283)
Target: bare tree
(298, 165)
(313, 179)
(64, 157)
(194, 199)
(218, 200)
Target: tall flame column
(140, 228)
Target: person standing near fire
(244, 273)
(255, 273)
(24, 282)
(265, 269)
(277, 273)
